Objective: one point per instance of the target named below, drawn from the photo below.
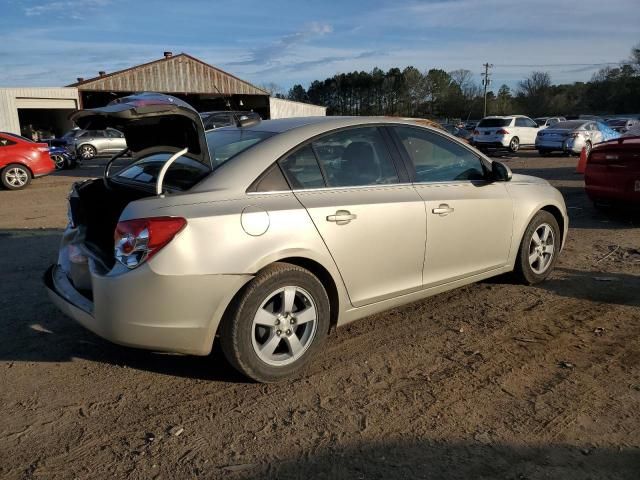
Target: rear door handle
(342, 217)
(443, 210)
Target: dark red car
(612, 174)
(21, 160)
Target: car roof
(282, 125)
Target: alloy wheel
(87, 152)
(59, 161)
(17, 177)
(284, 326)
(541, 248)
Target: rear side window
(5, 142)
(525, 122)
(302, 170)
(355, 157)
(438, 159)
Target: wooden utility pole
(486, 81)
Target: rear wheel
(539, 249)
(87, 152)
(514, 144)
(15, 176)
(277, 323)
(587, 148)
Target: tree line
(440, 94)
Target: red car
(21, 160)
(612, 174)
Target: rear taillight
(138, 240)
(476, 132)
(502, 131)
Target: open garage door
(45, 117)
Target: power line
(562, 64)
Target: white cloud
(74, 8)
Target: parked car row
(545, 134)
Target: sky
(50, 43)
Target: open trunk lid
(151, 120)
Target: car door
(115, 139)
(372, 222)
(527, 130)
(469, 218)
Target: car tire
(536, 258)
(276, 323)
(514, 144)
(59, 161)
(587, 147)
(87, 152)
(15, 176)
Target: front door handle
(443, 210)
(342, 217)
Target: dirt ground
(493, 380)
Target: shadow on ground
(421, 459)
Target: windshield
(227, 143)
(494, 122)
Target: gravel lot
(493, 380)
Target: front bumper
(139, 308)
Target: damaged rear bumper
(140, 308)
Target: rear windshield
(494, 122)
(183, 174)
(20, 137)
(226, 143)
(569, 125)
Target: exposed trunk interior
(98, 208)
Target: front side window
(113, 133)
(355, 157)
(438, 159)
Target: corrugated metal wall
(13, 98)
(280, 108)
(179, 74)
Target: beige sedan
(266, 235)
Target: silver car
(88, 144)
(264, 237)
(570, 136)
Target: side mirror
(500, 172)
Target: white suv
(509, 132)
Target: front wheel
(514, 144)
(276, 324)
(539, 249)
(15, 176)
(59, 161)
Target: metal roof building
(203, 86)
